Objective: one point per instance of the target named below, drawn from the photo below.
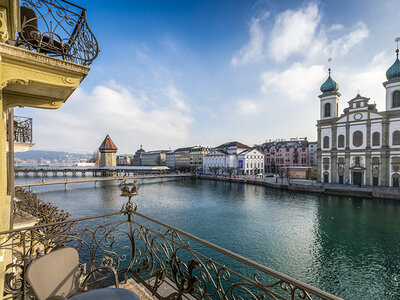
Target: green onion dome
(394, 71)
(329, 86)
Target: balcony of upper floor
(22, 134)
(46, 47)
(56, 28)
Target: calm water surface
(348, 247)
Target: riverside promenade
(312, 186)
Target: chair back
(55, 274)
(30, 22)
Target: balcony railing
(57, 28)
(153, 254)
(22, 129)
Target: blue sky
(181, 73)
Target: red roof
(108, 144)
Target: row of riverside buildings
(361, 146)
(231, 157)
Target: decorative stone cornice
(28, 78)
(9, 52)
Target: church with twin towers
(361, 146)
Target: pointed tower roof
(108, 145)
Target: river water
(346, 246)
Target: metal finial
(329, 63)
(397, 40)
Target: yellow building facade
(29, 77)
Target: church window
(357, 161)
(327, 110)
(325, 162)
(341, 160)
(357, 138)
(326, 142)
(341, 140)
(376, 137)
(396, 163)
(375, 160)
(396, 137)
(396, 99)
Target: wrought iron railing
(154, 254)
(22, 129)
(57, 28)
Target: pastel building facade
(285, 153)
(197, 154)
(362, 145)
(153, 158)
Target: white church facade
(362, 145)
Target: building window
(396, 99)
(341, 140)
(327, 110)
(376, 139)
(341, 160)
(375, 160)
(325, 163)
(357, 138)
(326, 142)
(396, 163)
(396, 137)
(357, 161)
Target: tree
(214, 170)
(230, 171)
(96, 158)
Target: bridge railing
(153, 254)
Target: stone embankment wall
(339, 190)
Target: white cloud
(335, 27)
(85, 119)
(293, 32)
(297, 83)
(299, 32)
(176, 97)
(248, 107)
(343, 44)
(253, 51)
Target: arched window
(326, 142)
(396, 137)
(327, 110)
(376, 139)
(341, 140)
(357, 138)
(396, 99)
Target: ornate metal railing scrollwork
(57, 28)
(151, 253)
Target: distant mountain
(51, 155)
